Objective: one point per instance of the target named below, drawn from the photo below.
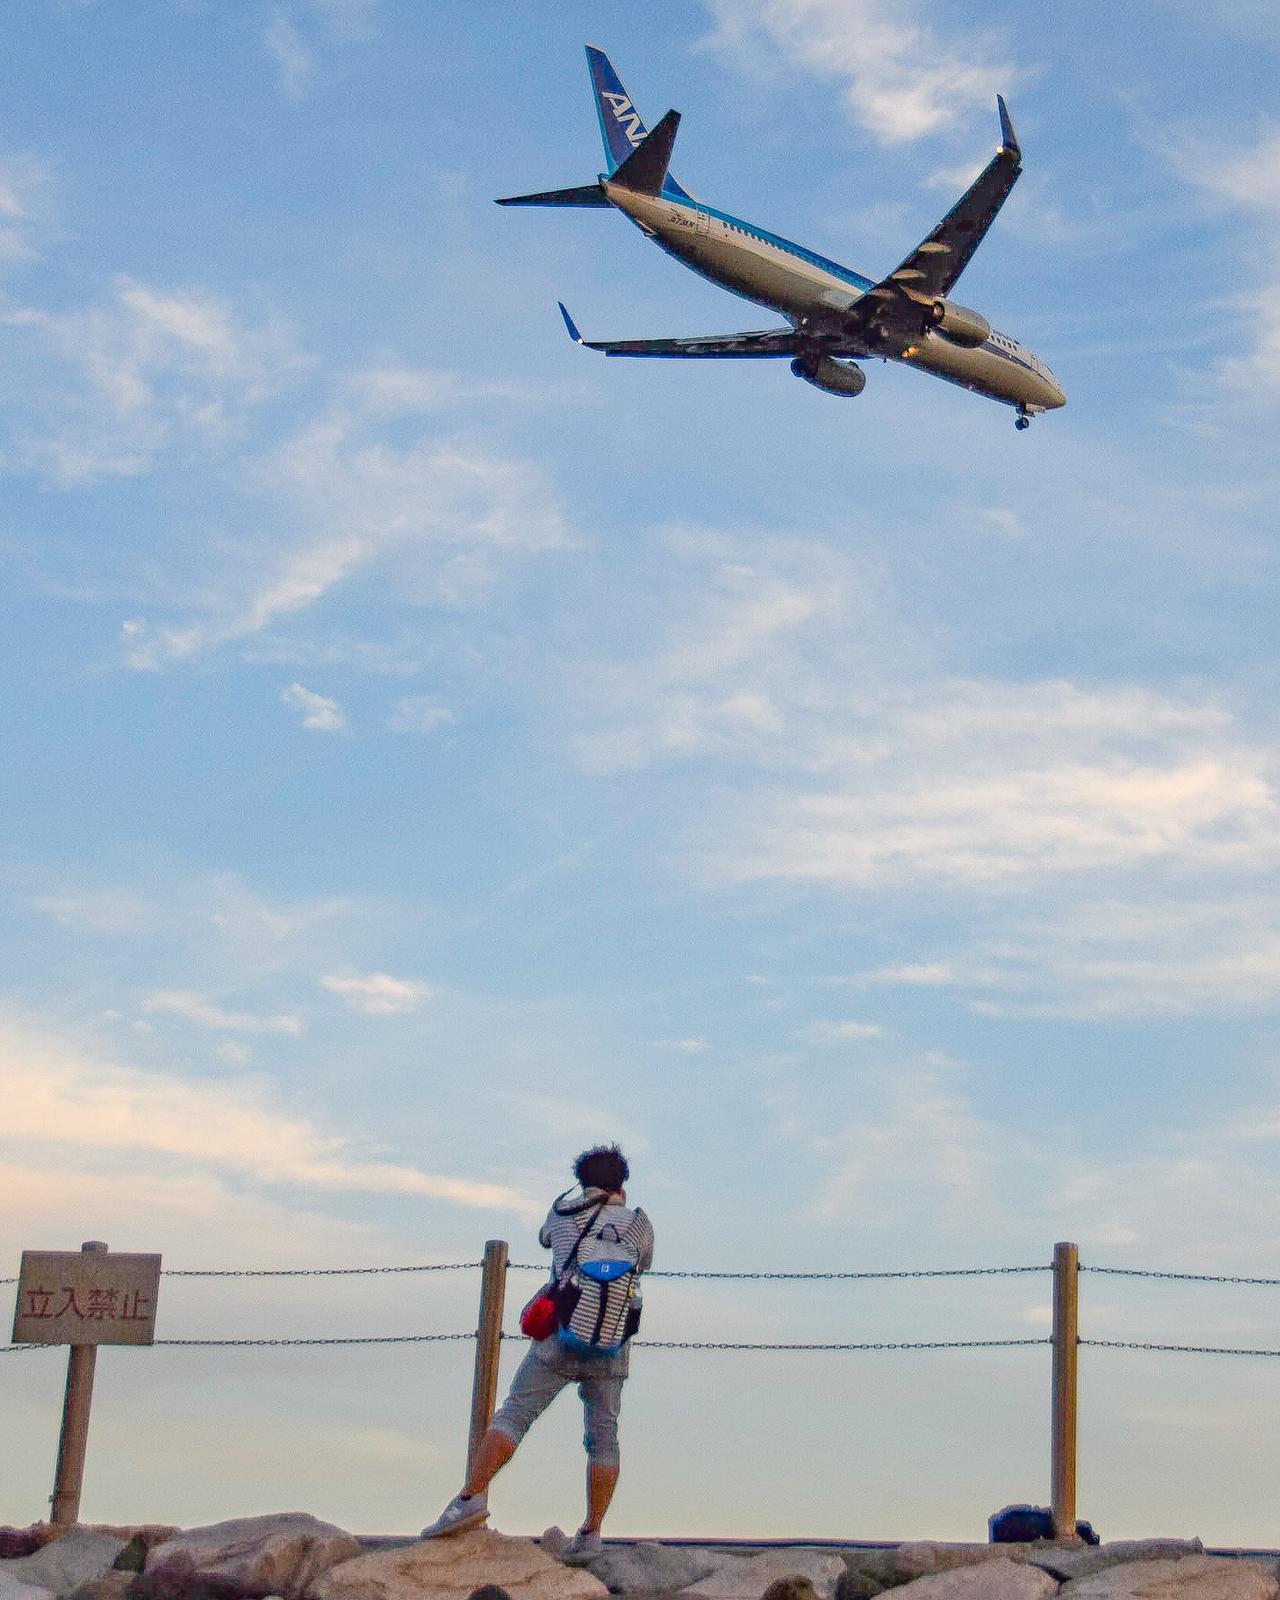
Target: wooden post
(68, 1477)
(484, 1387)
(1066, 1337)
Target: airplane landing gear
(1022, 421)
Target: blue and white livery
(835, 316)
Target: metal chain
(1176, 1349)
(1181, 1277)
(648, 1344)
(815, 1277)
(380, 1338)
(305, 1272)
(931, 1344)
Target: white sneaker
(460, 1513)
(583, 1547)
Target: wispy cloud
(452, 516)
(24, 189)
(921, 1150)
(839, 1032)
(55, 1095)
(378, 993)
(687, 1047)
(901, 78)
(419, 714)
(318, 711)
(293, 60)
(198, 1008)
(107, 387)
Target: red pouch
(540, 1318)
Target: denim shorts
(539, 1379)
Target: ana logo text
(626, 116)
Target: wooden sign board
(86, 1297)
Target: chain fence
(851, 1276)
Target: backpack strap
(577, 1243)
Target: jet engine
(825, 372)
(959, 324)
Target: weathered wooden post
(1066, 1342)
(484, 1386)
(73, 1441)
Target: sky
(431, 749)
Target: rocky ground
(295, 1557)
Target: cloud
(921, 1150)
(102, 390)
(197, 1008)
(926, 975)
(839, 1032)
(318, 712)
(292, 58)
(688, 1047)
(453, 518)
(901, 80)
(24, 186)
(409, 391)
(847, 765)
(1248, 179)
(419, 714)
(57, 1097)
(379, 994)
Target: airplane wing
(932, 268)
(770, 342)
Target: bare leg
(602, 1480)
(496, 1449)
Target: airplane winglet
(570, 324)
(1008, 138)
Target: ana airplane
(835, 316)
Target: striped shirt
(624, 1225)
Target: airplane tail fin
(645, 169)
(621, 125)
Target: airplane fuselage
(818, 294)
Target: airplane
(835, 316)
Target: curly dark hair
(602, 1167)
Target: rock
(115, 1585)
(747, 1577)
(488, 1591)
(284, 1554)
(133, 1558)
(922, 1557)
(12, 1589)
(1191, 1578)
(77, 1557)
(871, 1572)
(648, 1568)
(16, 1542)
(453, 1567)
(790, 1589)
(1066, 1562)
(180, 1581)
(554, 1541)
(999, 1579)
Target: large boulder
(747, 1577)
(78, 1556)
(285, 1554)
(1068, 1561)
(646, 1568)
(871, 1572)
(1191, 1578)
(998, 1579)
(453, 1567)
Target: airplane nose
(1057, 394)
